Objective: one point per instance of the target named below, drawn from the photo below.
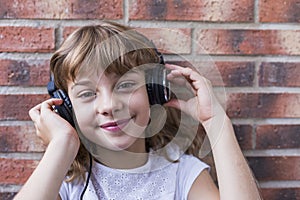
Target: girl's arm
(234, 176)
(63, 144)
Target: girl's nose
(107, 104)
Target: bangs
(111, 52)
(109, 48)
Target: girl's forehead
(96, 76)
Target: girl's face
(112, 111)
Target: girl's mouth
(115, 126)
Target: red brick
(277, 136)
(279, 74)
(7, 195)
(223, 73)
(244, 136)
(24, 72)
(280, 193)
(68, 30)
(169, 40)
(26, 39)
(279, 11)
(236, 74)
(20, 139)
(275, 168)
(248, 42)
(61, 9)
(16, 106)
(197, 10)
(261, 105)
(14, 171)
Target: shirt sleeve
(189, 169)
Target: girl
(121, 148)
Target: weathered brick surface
(24, 72)
(16, 171)
(7, 195)
(61, 9)
(68, 30)
(279, 74)
(16, 106)
(279, 11)
(169, 40)
(277, 136)
(236, 74)
(20, 139)
(275, 168)
(262, 105)
(244, 136)
(281, 193)
(228, 74)
(198, 10)
(248, 42)
(26, 39)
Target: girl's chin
(117, 143)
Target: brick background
(279, 74)
(24, 72)
(16, 171)
(250, 48)
(19, 139)
(61, 9)
(248, 42)
(286, 11)
(197, 10)
(26, 39)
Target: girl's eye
(88, 94)
(126, 85)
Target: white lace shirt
(158, 179)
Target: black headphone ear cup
(65, 109)
(156, 85)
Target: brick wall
(250, 48)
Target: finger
(172, 66)
(194, 78)
(183, 79)
(184, 69)
(34, 112)
(47, 105)
(176, 79)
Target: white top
(157, 179)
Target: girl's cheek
(83, 114)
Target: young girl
(120, 147)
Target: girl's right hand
(49, 125)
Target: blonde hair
(114, 48)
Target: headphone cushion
(64, 110)
(155, 85)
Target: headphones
(158, 89)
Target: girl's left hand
(203, 106)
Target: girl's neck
(124, 159)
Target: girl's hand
(49, 125)
(203, 106)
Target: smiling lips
(115, 126)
